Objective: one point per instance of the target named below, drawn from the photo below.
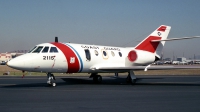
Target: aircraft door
(87, 55)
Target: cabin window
(32, 49)
(53, 50)
(120, 54)
(45, 50)
(112, 53)
(104, 53)
(38, 49)
(87, 55)
(96, 52)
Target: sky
(123, 23)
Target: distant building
(182, 59)
(4, 57)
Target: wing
(145, 68)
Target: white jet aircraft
(57, 57)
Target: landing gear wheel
(128, 79)
(133, 81)
(97, 79)
(51, 80)
(53, 84)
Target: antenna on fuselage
(56, 39)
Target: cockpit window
(45, 50)
(32, 49)
(53, 50)
(37, 50)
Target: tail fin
(155, 47)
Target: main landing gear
(96, 78)
(51, 81)
(131, 78)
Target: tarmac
(75, 94)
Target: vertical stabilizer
(155, 47)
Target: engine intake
(139, 57)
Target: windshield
(53, 50)
(38, 49)
(45, 50)
(32, 49)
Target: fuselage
(71, 58)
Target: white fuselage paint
(43, 62)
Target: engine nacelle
(139, 57)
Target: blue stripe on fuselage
(78, 57)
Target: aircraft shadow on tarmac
(105, 81)
(122, 81)
(148, 81)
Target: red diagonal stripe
(68, 52)
(147, 45)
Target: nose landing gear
(51, 81)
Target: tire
(97, 79)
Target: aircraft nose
(15, 64)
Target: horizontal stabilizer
(171, 39)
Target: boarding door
(87, 55)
